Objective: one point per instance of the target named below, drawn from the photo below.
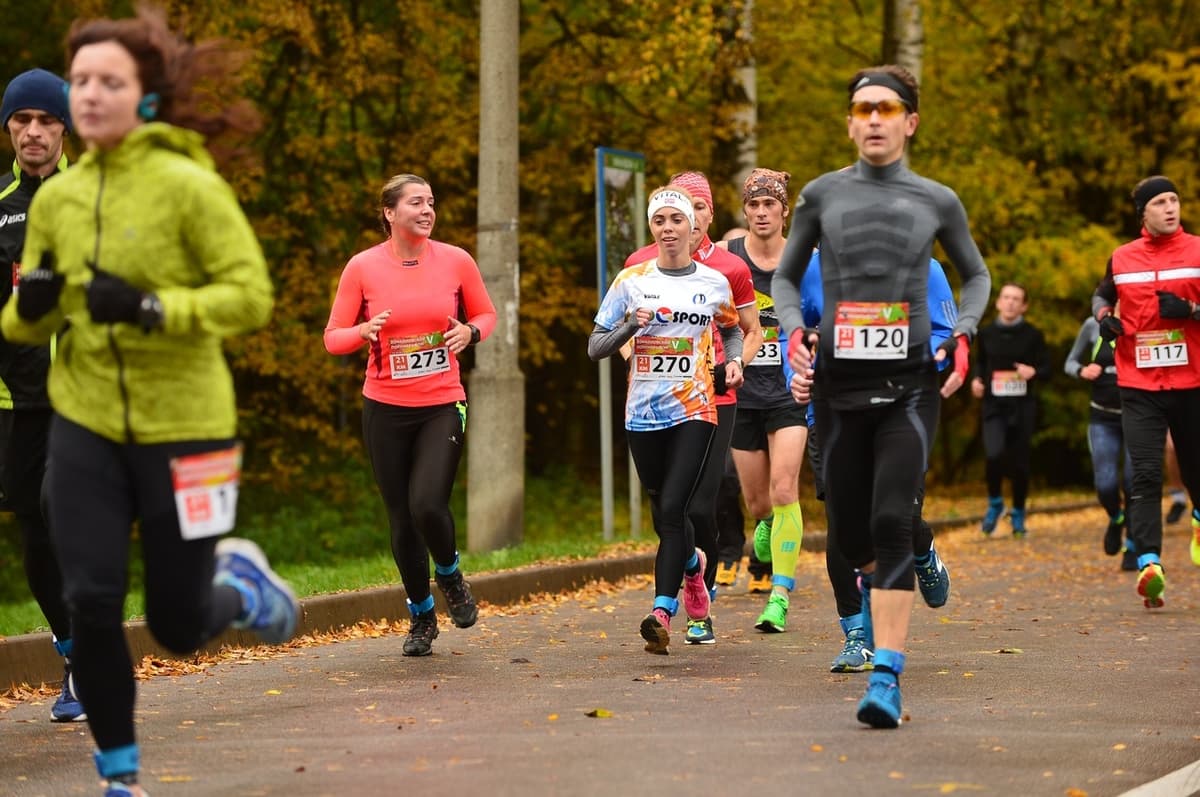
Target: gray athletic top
(876, 226)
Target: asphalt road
(1044, 675)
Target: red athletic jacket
(1135, 272)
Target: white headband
(671, 199)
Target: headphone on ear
(148, 108)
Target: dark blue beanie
(39, 90)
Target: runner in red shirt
(417, 304)
(1156, 280)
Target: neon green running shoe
(762, 541)
(774, 617)
(1195, 538)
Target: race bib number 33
(206, 491)
(871, 331)
(656, 357)
(769, 354)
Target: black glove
(1111, 328)
(112, 300)
(38, 290)
(1172, 306)
(719, 385)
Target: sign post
(620, 230)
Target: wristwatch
(150, 312)
(474, 333)
(741, 363)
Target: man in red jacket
(1156, 280)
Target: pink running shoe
(656, 630)
(695, 594)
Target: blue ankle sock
(889, 661)
(1148, 558)
(422, 607)
(446, 570)
(117, 762)
(666, 603)
(693, 565)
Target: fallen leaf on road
(600, 713)
(272, 692)
(1118, 746)
(1010, 650)
(552, 717)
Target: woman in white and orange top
(664, 308)
(416, 303)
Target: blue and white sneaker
(934, 580)
(67, 707)
(995, 511)
(855, 655)
(270, 609)
(880, 706)
(118, 789)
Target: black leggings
(414, 454)
(1145, 417)
(23, 476)
(842, 577)
(97, 489)
(669, 463)
(873, 464)
(1008, 444)
(702, 512)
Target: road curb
(31, 658)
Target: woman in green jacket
(143, 252)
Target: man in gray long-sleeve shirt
(874, 390)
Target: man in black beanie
(34, 113)
(1156, 281)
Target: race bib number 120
(871, 331)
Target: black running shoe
(421, 634)
(458, 598)
(1112, 535)
(1176, 511)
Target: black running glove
(1111, 328)
(38, 290)
(112, 300)
(1172, 306)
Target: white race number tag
(769, 353)
(871, 331)
(1008, 384)
(418, 355)
(206, 490)
(660, 358)
(1161, 348)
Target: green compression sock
(787, 532)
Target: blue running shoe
(1017, 518)
(880, 706)
(855, 655)
(995, 511)
(934, 580)
(67, 707)
(118, 789)
(270, 609)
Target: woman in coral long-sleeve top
(416, 303)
